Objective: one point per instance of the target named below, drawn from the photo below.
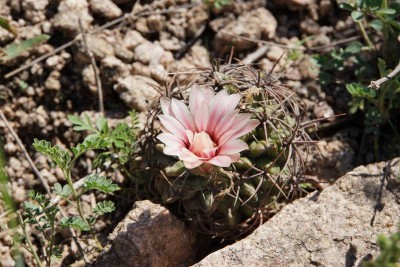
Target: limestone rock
(105, 8)
(337, 227)
(135, 91)
(69, 13)
(149, 236)
(34, 10)
(256, 24)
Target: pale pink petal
(165, 104)
(201, 116)
(172, 150)
(250, 126)
(225, 123)
(233, 146)
(197, 95)
(221, 161)
(190, 135)
(221, 105)
(182, 113)
(170, 140)
(210, 152)
(173, 126)
(234, 157)
(187, 155)
(240, 121)
(192, 165)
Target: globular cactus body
(229, 201)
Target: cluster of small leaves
(390, 252)
(339, 60)
(121, 139)
(376, 8)
(96, 182)
(44, 214)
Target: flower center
(201, 142)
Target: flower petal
(165, 104)
(172, 150)
(221, 161)
(234, 157)
(170, 140)
(197, 95)
(173, 126)
(250, 126)
(201, 116)
(221, 105)
(187, 155)
(210, 152)
(182, 114)
(240, 122)
(226, 123)
(233, 146)
(192, 165)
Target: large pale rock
(105, 8)
(34, 10)
(135, 91)
(254, 25)
(337, 227)
(69, 13)
(149, 236)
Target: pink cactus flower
(205, 133)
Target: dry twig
(377, 84)
(26, 154)
(95, 69)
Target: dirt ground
(136, 44)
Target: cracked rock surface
(337, 227)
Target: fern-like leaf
(86, 145)
(103, 207)
(74, 222)
(96, 182)
(56, 153)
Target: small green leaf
(87, 145)
(62, 191)
(5, 24)
(80, 124)
(15, 49)
(357, 15)
(376, 24)
(74, 222)
(57, 154)
(346, 6)
(353, 48)
(103, 207)
(102, 125)
(94, 181)
(386, 11)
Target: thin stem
(365, 35)
(28, 240)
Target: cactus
(228, 201)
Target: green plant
(379, 26)
(16, 48)
(390, 251)
(44, 213)
(217, 3)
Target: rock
(34, 10)
(112, 69)
(99, 47)
(132, 39)
(275, 53)
(89, 79)
(135, 91)
(336, 227)
(53, 81)
(105, 8)
(149, 53)
(69, 13)
(149, 236)
(256, 24)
